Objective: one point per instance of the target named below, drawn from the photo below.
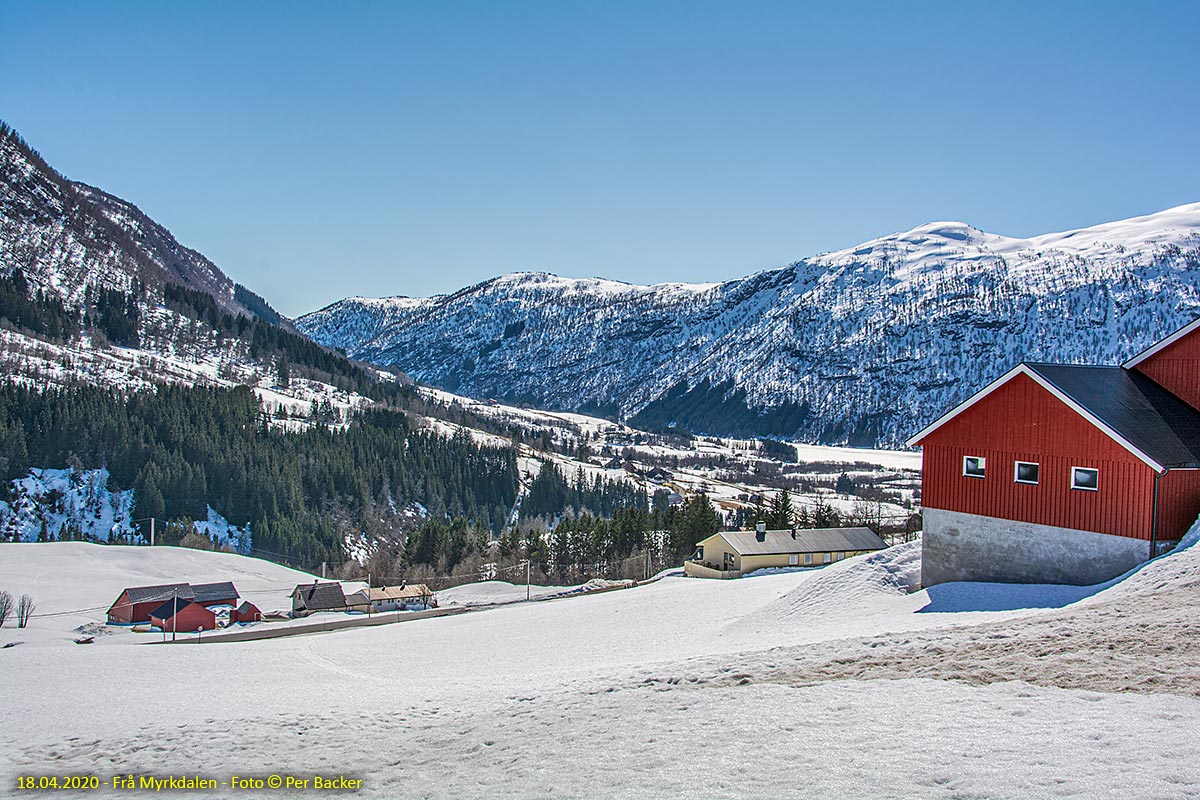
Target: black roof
(321, 595)
(170, 609)
(165, 591)
(208, 592)
(1147, 416)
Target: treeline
(183, 449)
(627, 544)
(551, 494)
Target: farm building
(135, 603)
(1065, 474)
(730, 554)
(183, 616)
(310, 597)
(246, 612)
(391, 598)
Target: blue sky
(315, 151)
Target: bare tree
(6, 607)
(25, 610)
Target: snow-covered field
(830, 683)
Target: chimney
(793, 533)
(760, 531)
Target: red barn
(1065, 474)
(246, 612)
(135, 603)
(183, 616)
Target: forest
(302, 493)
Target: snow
(65, 499)
(494, 593)
(74, 583)
(218, 529)
(673, 688)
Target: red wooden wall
(1021, 421)
(1178, 503)
(1176, 368)
(191, 617)
(123, 611)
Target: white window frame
(808, 559)
(1095, 488)
(828, 558)
(982, 465)
(794, 560)
(1017, 472)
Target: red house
(246, 612)
(1065, 474)
(183, 616)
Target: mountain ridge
(853, 346)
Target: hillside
(839, 661)
(860, 346)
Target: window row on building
(1029, 472)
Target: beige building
(390, 598)
(731, 554)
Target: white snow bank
(495, 592)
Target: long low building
(135, 603)
(730, 554)
(390, 598)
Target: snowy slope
(858, 346)
(74, 583)
(617, 694)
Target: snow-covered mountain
(68, 237)
(859, 346)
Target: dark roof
(803, 540)
(209, 592)
(247, 606)
(320, 595)
(169, 608)
(146, 594)
(1148, 417)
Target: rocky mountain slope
(67, 237)
(860, 346)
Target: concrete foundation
(967, 547)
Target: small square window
(828, 558)
(793, 560)
(1026, 472)
(808, 558)
(973, 466)
(1085, 478)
